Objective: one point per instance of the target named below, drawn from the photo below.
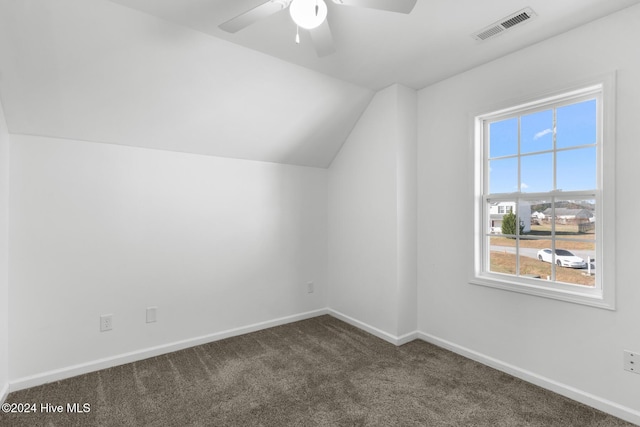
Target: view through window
(541, 193)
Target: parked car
(564, 258)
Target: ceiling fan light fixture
(308, 14)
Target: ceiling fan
(311, 15)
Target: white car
(564, 258)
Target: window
(542, 165)
(505, 209)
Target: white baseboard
(573, 393)
(121, 359)
(395, 340)
(604, 405)
(407, 338)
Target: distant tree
(509, 223)
(540, 207)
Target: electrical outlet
(151, 314)
(106, 322)
(632, 361)
(310, 287)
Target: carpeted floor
(318, 372)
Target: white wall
(4, 257)
(372, 224)
(578, 348)
(214, 243)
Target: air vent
(505, 24)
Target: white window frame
(602, 295)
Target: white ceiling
(160, 74)
(375, 49)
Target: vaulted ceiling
(161, 74)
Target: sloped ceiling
(160, 74)
(92, 70)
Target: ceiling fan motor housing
(308, 14)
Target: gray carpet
(317, 372)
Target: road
(533, 253)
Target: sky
(575, 167)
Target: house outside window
(541, 181)
(497, 211)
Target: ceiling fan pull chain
(297, 35)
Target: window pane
(537, 173)
(540, 217)
(498, 210)
(503, 138)
(532, 260)
(502, 255)
(503, 176)
(576, 169)
(537, 132)
(575, 219)
(572, 265)
(576, 124)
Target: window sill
(593, 297)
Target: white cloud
(542, 133)
(523, 186)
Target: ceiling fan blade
(322, 39)
(257, 13)
(400, 6)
